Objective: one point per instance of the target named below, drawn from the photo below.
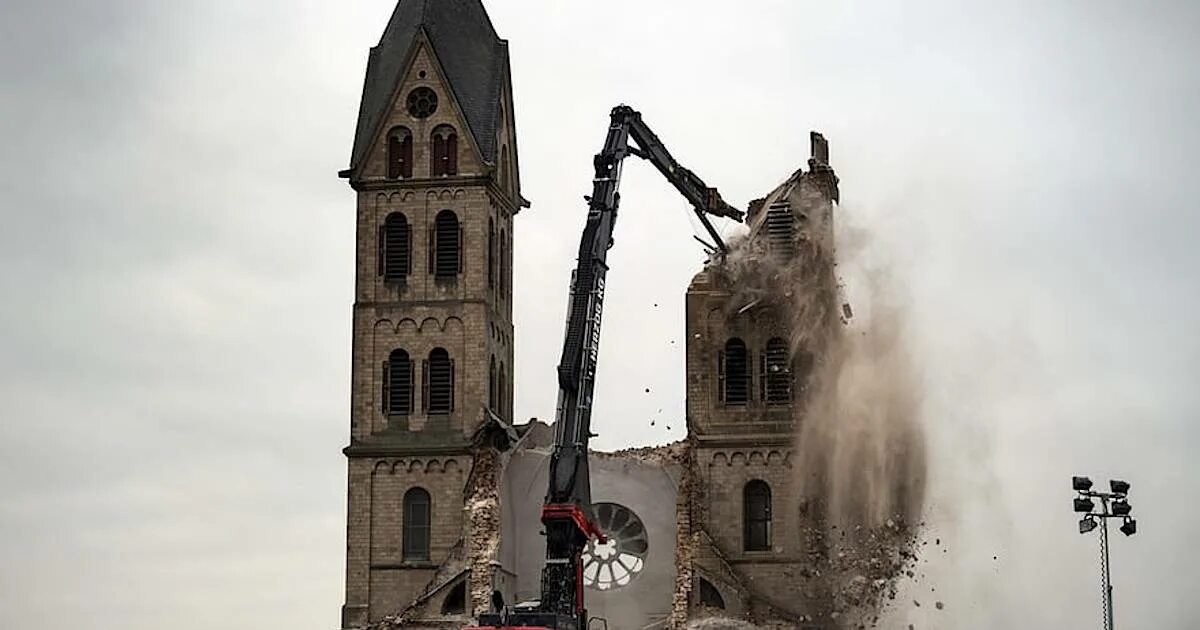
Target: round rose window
(615, 562)
(422, 102)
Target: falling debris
(860, 446)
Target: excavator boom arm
(567, 513)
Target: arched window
(438, 376)
(456, 600)
(491, 254)
(503, 262)
(444, 154)
(395, 248)
(492, 389)
(416, 524)
(775, 382)
(502, 393)
(445, 246)
(399, 153)
(733, 373)
(756, 504)
(398, 384)
(710, 597)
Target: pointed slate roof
(474, 58)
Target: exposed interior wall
(645, 484)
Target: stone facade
(467, 314)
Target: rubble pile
(719, 623)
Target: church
(444, 489)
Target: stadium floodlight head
(1129, 527)
(1087, 524)
(1083, 504)
(1121, 507)
(1081, 484)
(1118, 486)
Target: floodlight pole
(1105, 575)
(1109, 501)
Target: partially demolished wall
(848, 505)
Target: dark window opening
(445, 251)
(444, 154)
(416, 524)
(710, 597)
(439, 382)
(398, 384)
(456, 600)
(775, 382)
(491, 253)
(399, 153)
(756, 503)
(733, 367)
(492, 390)
(395, 248)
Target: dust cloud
(859, 454)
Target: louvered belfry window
(775, 381)
(397, 384)
(395, 248)
(439, 382)
(444, 151)
(399, 153)
(733, 367)
(445, 252)
(756, 503)
(781, 230)
(417, 520)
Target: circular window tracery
(618, 560)
(422, 102)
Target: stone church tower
(748, 385)
(434, 166)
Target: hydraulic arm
(567, 513)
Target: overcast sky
(176, 266)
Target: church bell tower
(434, 168)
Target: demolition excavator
(567, 511)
